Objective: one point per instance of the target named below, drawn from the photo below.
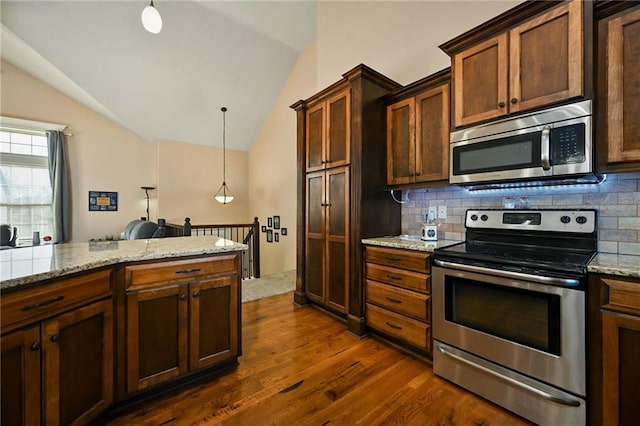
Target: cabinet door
(337, 241)
(213, 317)
(621, 372)
(623, 88)
(480, 81)
(78, 364)
(20, 377)
(315, 237)
(546, 58)
(315, 137)
(157, 339)
(338, 133)
(432, 135)
(401, 127)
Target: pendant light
(224, 195)
(151, 19)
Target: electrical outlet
(442, 212)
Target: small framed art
(269, 236)
(276, 222)
(283, 231)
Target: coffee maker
(8, 237)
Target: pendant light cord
(224, 147)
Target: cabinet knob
(35, 346)
(55, 338)
(514, 100)
(196, 294)
(183, 296)
(501, 104)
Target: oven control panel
(579, 221)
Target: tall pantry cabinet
(341, 197)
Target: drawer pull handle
(39, 305)
(394, 258)
(397, 327)
(391, 299)
(188, 271)
(394, 277)
(55, 338)
(196, 294)
(35, 346)
(183, 296)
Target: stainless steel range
(509, 310)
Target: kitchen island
(87, 327)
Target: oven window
(526, 317)
(512, 153)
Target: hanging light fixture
(151, 19)
(224, 195)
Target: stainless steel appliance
(509, 310)
(550, 146)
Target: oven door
(524, 325)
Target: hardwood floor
(301, 367)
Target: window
(25, 187)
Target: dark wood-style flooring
(300, 367)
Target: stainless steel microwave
(548, 145)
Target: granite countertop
(408, 242)
(615, 264)
(27, 265)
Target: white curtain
(61, 197)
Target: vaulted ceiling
(169, 85)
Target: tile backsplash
(617, 200)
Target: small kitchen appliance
(8, 237)
(509, 310)
(429, 229)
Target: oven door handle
(560, 399)
(544, 149)
(564, 282)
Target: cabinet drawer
(406, 259)
(415, 332)
(621, 296)
(398, 277)
(179, 270)
(405, 302)
(23, 307)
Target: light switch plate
(442, 212)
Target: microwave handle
(544, 155)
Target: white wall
(272, 166)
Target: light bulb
(151, 19)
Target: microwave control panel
(567, 144)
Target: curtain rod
(31, 132)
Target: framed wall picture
(283, 231)
(103, 201)
(276, 237)
(269, 222)
(269, 236)
(264, 228)
(276, 222)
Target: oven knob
(484, 217)
(565, 219)
(474, 217)
(581, 220)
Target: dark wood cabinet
(78, 364)
(341, 198)
(181, 316)
(20, 363)
(525, 59)
(614, 350)
(618, 87)
(57, 351)
(398, 287)
(418, 131)
(328, 132)
(327, 237)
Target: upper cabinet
(528, 58)
(328, 132)
(618, 86)
(418, 131)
